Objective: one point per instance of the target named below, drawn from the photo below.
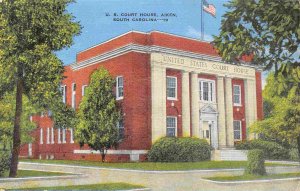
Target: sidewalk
(174, 180)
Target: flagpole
(202, 24)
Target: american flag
(209, 8)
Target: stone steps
(229, 155)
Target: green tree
(267, 30)
(30, 32)
(283, 121)
(99, 114)
(7, 105)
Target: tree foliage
(282, 124)
(7, 105)
(268, 30)
(30, 32)
(98, 114)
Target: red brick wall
(176, 110)
(135, 68)
(260, 113)
(239, 111)
(180, 43)
(132, 37)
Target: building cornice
(150, 49)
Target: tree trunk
(298, 145)
(16, 134)
(103, 156)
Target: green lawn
(107, 186)
(32, 173)
(154, 166)
(253, 177)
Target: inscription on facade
(205, 65)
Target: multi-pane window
(83, 89)
(58, 136)
(237, 95)
(71, 136)
(171, 126)
(63, 90)
(64, 135)
(207, 90)
(74, 95)
(171, 87)
(48, 135)
(237, 128)
(41, 136)
(120, 126)
(120, 87)
(52, 135)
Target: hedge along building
(167, 85)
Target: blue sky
(98, 28)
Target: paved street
(160, 181)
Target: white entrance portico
(209, 125)
(207, 104)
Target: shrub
(294, 155)
(186, 149)
(272, 150)
(4, 163)
(256, 162)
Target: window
(41, 136)
(71, 136)
(58, 136)
(237, 128)
(120, 126)
(207, 90)
(48, 135)
(52, 135)
(171, 88)
(120, 87)
(171, 126)
(63, 90)
(237, 95)
(64, 136)
(83, 89)
(74, 95)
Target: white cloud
(192, 32)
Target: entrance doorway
(206, 130)
(209, 125)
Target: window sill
(119, 98)
(172, 99)
(237, 105)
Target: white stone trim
(186, 113)
(149, 49)
(112, 152)
(195, 105)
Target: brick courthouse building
(169, 86)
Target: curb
(251, 181)
(134, 170)
(152, 171)
(3, 180)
